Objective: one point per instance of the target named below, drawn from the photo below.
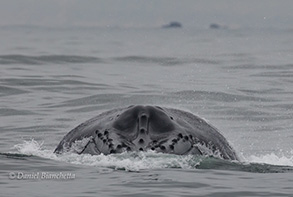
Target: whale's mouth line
(157, 146)
(178, 144)
(128, 146)
(191, 145)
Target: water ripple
(47, 59)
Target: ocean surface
(52, 79)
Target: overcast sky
(199, 13)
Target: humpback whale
(142, 128)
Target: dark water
(241, 80)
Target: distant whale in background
(142, 128)
(218, 26)
(173, 24)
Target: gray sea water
(52, 79)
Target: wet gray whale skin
(141, 128)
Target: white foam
(130, 161)
(273, 159)
(136, 161)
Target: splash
(29, 147)
(33, 147)
(272, 159)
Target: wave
(5, 91)
(73, 59)
(47, 59)
(168, 61)
(136, 161)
